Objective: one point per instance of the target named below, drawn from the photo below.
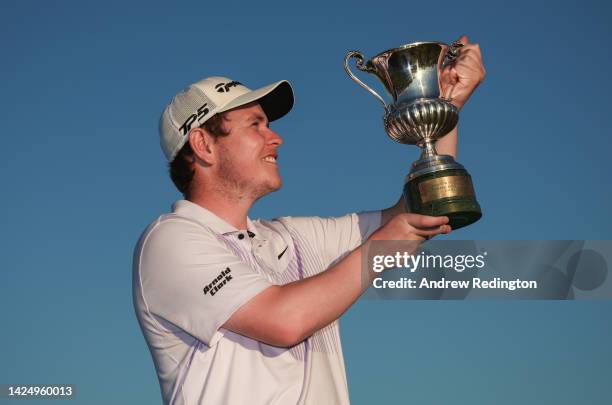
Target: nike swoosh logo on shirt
(283, 252)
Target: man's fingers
(464, 39)
(449, 76)
(469, 64)
(454, 75)
(433, 231)
(471, 48)
(425, 221)
(470, 55)
(411, 226)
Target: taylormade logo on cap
(194, 105)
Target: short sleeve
(333, 237)
(191, 279)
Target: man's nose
(274, 138)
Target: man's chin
(275, 184)
(270, 188)
(276, 187)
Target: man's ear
(203, 146)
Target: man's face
(247, 156)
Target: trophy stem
(428, 149)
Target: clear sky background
(82, 88)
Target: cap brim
(275, 99)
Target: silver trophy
(420, 115)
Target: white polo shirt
(192, 270)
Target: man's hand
(410, 226)
(460, 78)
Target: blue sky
(84, 83)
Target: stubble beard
(234, 185)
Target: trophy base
(446, 192)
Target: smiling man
(241, 311)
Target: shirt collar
(206, 217)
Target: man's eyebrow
(258, 117)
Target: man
(237, 311)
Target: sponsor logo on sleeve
(222, 279)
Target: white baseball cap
(194, 105)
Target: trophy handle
(359, 56)
(451, 55)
